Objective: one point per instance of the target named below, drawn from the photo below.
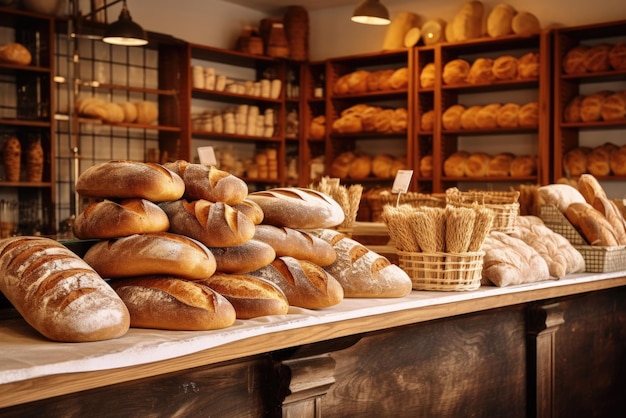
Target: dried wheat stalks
(459, 228)
(482, 226)
(398, 221)
(348, 198)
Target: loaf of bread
(297, 244)
(114, 113)
(427, 121)
(360, 167)
(451, 117)
(122, 179)
(305, 284)
(399, 79)
(574, 60)
(454, 165)
(614, 106)
(481, 71)
(130, 111)
(426, 166)
(595, 228)
(500, 165)
(215, 224)
(590, 188)
(368, 118)
(92, 107)
(591, 106)
(172, 303)
(298, 208)
(341, 164)
(318, 127)
(528, 66)
(59, 294)
(575, 161)
(151, 254)
(381, 165)
(618, 161)
(383, 122)
(499, 20)
(487, 116)
(525, 24)
(599, 159)
(468, 118)
(597, 58)
(456, 71)
(106, 219)
(357, 82)
(523, 166)
(15, 53)
(571, 113)
(427, 76)
(243, 258)
(251, 296)
(399, 120)
(508, 116)
(251, 210)
(505, 67)
(476, 164)
(468, 22)
(209, 183)
(617, 56)
(612, 213)
(379, 80)
(560, 195)
(147, 112)
(528, 116)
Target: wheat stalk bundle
(482, 226)
(459, 228)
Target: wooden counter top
(146, 353)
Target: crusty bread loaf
(612, 213)
(426, 166)
(427, 121)
(617, 56)
(15, 53)
(360, 167)
(378, 80)
(147, 112)
(591, 106)
(487, 116)
(528, 116)
(108, 219)
(575, 161)
(618, 161)
(341, 164)
(297, 244)
(574, 60)
(361, 272)
(209, 183)
(525, 24)
(59, 294)
(560, 195)
(500, 165)
(455, 71)
(597, 58)
(305, 284)
(427, 76)
(250, 296)
(595, 228)
(215, 224)
(298, 208)
(468, 118)
(476, 164)
(499, 20)
(454, 165)
(468, 22)
(243, 258)
(451, 117)
(481, 71)
(154, 253)
(614, 106)
(124, 179)
(571, 113)
(505, 67)
(599, 159)
(130, 111)
(508, 116)
(523, 166)
(381, 165)
(172, 303)
(251, 210)
(528, 65)
(399, 79)
(590, 188)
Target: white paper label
(207, 156)
(402, 181)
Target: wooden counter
(512, 352)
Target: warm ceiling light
(125, 31)
(371, 12)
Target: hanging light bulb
(371, 12)
(124, 31)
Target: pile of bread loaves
(601, 57)
(598, 106)
(481, 164)
(360, 165)
(366, 118)
(141, 112)
(602, 160)
(492, 116)
(184, 246)
(364, 81)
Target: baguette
(154, 253)
(123, 179)
(590, 188)
(209, 183)
(595, 228)
(250, 296)
(213, 224)
(243, 258)
(59, 294)
(173, 303)
(612, 214)
(108, 219)
(297, 244)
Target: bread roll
(92, 107)
(147, 112)
(341, 164)
(251, 210)
(451, 118)
(508, 116)
(209, 183)
(124, 179)
(368, 118)
(426, 166)
(399, 120)
(374, 79)
(130, 111)
(571, 113)
(399, 79)
(591, 106)
(481, 71)
(251, 296)
(298, 208)
(468, 118)
(151, 253)
(243, 258)
(15, 53)
(617, 56)
(57, 293)
(454, 165)
(427, 121)
(381, 166)
(500, 165)
(172, 303)
(360, 167)
(476, 164)
(505, 67)
(350, 123)
(297, 244)
(357, 82)
(383, 121)
(597, 58)
(574, 60)
(618, 161)
(487, 116)
(455, 71)
(114, 113)
(427, 76)
(523, 166)
(575, 161)
(341, 85)
(500, 19)
(305, 284)
(317, 129)
(599, 161)
(528, 116)
(528, 66)
(525, 24)
(215, 224)
(108, 219)
(614, 106)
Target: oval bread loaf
(148, 254)
(596, 229)
(123, 179)
(250, 296)
(298, 208)
(173, 303)
(108, 219)
(59, 294)
(243, 258)
(295, 243)
(209, 183)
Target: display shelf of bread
(369, 119)
(601, 161)
(490, 117)
(480, 165)
(141, 113)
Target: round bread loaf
(15, 53)
(618, 161)
(499, 20)
(426, 166)
(243, 258)
(399, 120)
(357, 82)
(468, 118)
(250, 296)
(379, 80)
(123, 179)
(114, 113)
(147, 112)
(599, 161)
(173, 303)
(523, 166)
(298, 208)
(505, 67)
(57, 293)
(454, 165)
(427, 121)
(508, 116)
(614, 106)
(427, 76)
(130, 111)
(368, 118)
(574, 60)
(476, 164)
(481, 71)
(360, 167)
(528, 66)
(455, 71)
(383, 121)
(305, 284)
(575, 161)
(341, 164)
(487, 116)
(591, 106)
(215, 224)
(399, 79)
(571, 113)
(597, 58)
(500, 165)
(451, 117)
(528, 116)
(209, 183)
(617, 56)
(381, 166)
(297, 244)
(108, 219)
(151, 254)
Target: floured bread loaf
(468, 22)
(560, 195)
(297, 244)
(361, 272)
(251, 210)
(243, 258)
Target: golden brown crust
(454, 165)
(574, 60)
(456, 71)
(451, 118)
(243, 258)
(476, 164)
(481, 71)
(597, 58)
(427, 76)
(15, 53)
(505, 67)
(297, 244)
(617, 56)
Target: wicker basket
(414, 199)
(597, 259)
(504, 205)
(443, 271)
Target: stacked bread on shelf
(599, 106)
(481, 164)
(362, 118)
(492, 116)
(360, 165)
(364, 81)
(603, 160)
(602, 57)
(141, 112)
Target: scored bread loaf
(298, 208)
(571, 113)
(505, 67)
(154, 253)
(574, 60)
(305, 284)
(487, 116)
(297, 244)
(508, 116)
(618, 161)
(590, 188)
(361, 272)
(251, 210)
(575, 161)
(59, 294)
(250, 296)
(528, 65)
(468, 118)
(209, 183)
(15, 53)
(243, 258)
(481, 71)
(454, 165)
(172, 303)
(612, 213)
(528, 116)
(122, 179)
(215, 224)
(500, 164)
(476, 164)
(108, 219)
(427, 76)
(523, 166)
(599, 159)
(455, 71)
(499, 20)
(597, 58)
(596, 229)
(427, 121)
(617, 56)
(451, 117)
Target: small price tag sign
(402, 181)
(207, 156)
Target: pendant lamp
(124, 31)
(371, 12)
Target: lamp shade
(124, 31)
(371, 12)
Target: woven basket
(414, 199)
(504, 205)
(597, 259)
(443, 271)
